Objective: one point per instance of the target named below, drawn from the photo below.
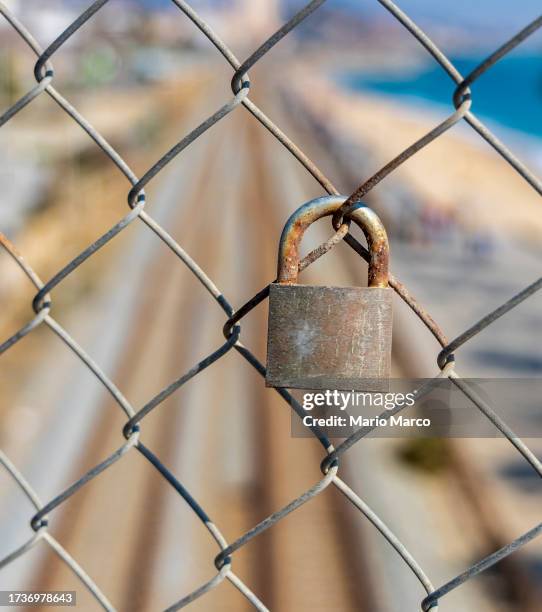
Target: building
(260, 18)
(244, 23)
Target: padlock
(322, 337)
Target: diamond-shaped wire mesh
(43, 304)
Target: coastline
(456, 173)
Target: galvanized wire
(42, 303)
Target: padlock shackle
(299, 221)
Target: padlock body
(329, 337)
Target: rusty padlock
(330, 337)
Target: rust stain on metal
(329, 337)
(365, 218)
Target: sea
(508, 97)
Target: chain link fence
(330, 466)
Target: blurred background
(353, 89)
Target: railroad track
(224, 435)
(155, 548)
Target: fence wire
(42, 304)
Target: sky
(482, 13)
(506, 16)
(460, 11)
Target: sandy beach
(459, 172)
